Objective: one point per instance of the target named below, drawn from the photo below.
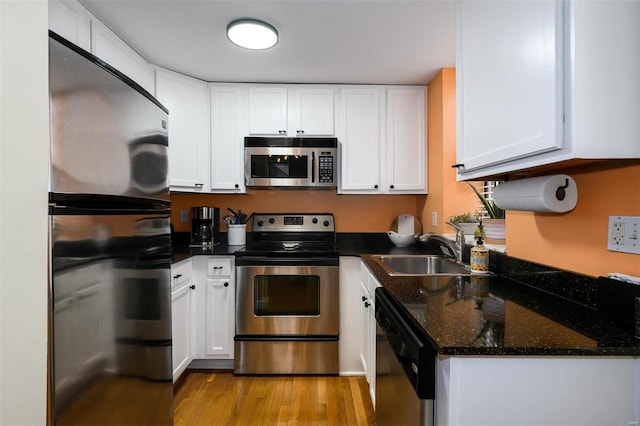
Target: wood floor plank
(221, 398)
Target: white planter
(468, 228)
(494, 229)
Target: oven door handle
(313, 166)
(286, 261)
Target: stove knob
(326, 223)
(260, 223)
(272, 220)
(314, 220)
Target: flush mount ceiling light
(252, 34)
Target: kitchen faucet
(455, 248)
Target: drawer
(219, 266)
(180, 274)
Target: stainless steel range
(287, 301)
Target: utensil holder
(237, 234)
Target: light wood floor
(220, 398)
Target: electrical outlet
(617, 237)
(623, 234)
(184, 216)
(434, 218)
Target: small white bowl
(401, 240)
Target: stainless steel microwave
(290, 162)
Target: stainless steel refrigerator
(110, 247)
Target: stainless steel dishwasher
(405, 367)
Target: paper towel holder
(561, 191)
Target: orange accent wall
(353, 213)
(577, 240)
(447, 197)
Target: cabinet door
(70, 20)
(312, 112)
(181, 328)
(359, 137)
(406, 140)
(220, 324)
(509, 81)
(110, 48)
(186, 100)
(228, 128)
(365, 320)
(604, 95)
(268, 110)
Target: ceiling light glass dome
(252, 34)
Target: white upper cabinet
(360, 139)
(288, 111)
(268, 108)
(406, 141)
(228, 128)
(312, 112)
(187, 100)
(546, 81)
(110, 48)
(383, 141)
(71, 21)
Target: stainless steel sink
(418, 265)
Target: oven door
(287, 299)
(280, 166)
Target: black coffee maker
(205, 226)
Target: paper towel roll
(557, 194)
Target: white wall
(24, 139)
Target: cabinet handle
(226, 284)
(300, 132)
(366, 304)
(237, 186)
(217, 267)
(458, 166)
(364, 299)
(192, 287)
(199, 185)
(175, 277)
(391, 186)
(375, 186)
(282, 132)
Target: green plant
(468, 217)
(493, 211)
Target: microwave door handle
(313, 166)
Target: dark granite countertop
(180, 249)
(523, 309)
(495, 315)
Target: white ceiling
(321, 41)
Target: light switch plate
(624, 234)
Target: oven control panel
(295, 222)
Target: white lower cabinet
(182, 310)
(215, 310)
(350, 323)
(531, 391)
(203, 313)
(220, 321)
(368, 285)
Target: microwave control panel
(326, 169)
